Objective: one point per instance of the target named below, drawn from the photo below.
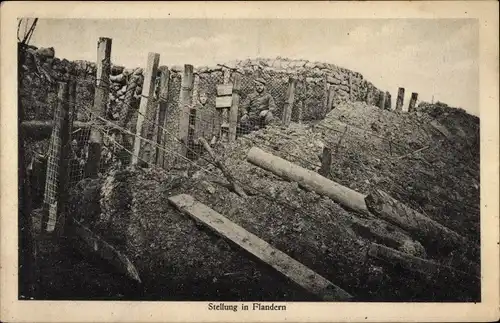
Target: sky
(437, 58)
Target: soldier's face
(203, 98)
(259, 87)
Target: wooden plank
(185, 100)
(51, 206)
(278, 260)
(144, 150)
(100, 102)
(235, 103)
(223, 102)
(286, 117)
(90, 243)
(224, 89)
(162, 115)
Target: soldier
(257, 109)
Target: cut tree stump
(343, 195)
(278, 260)
(422, 228)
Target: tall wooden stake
(413, 102)
(185, 101)
(59, 138)
(233, 112)
(144, 150)
(400, 99)
(381, 102)
(100, 101)
(331, 97)
(162, 114)
(290, 97)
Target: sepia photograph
(249, 164)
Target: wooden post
(400, 99)
(413, 102)
(351, 96)
(185, 101)
(381, 102)
(144, 150)
(388, 101)
(233, 113)
(162, 114)
(64, 169)
(326, 162)
(331, 97)
(100, 101)
(325, 94)
(27, 257)
(300, 108)
(59, 137)
(290, 97)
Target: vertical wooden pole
(388, 101)
(290, 97)
(381, 102)
(27, 247)
(400, 99)
(300, 107)
(325, 94)
(185, 101)
(100, 101)
(233, 113)
(326, 162)
(413, 102)
(64, 169)
(144, 150)
(162, 114)
(59, 137)
(351, 92)
(331, 97)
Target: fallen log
(281, 262)
(42, 129)
(430, 270)
(418, 225)
(236, 187)
(343, 195)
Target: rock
(116, 70)
(117, 78)
(413, 248)
(138, 71)
(46, 52)
(210, 189)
